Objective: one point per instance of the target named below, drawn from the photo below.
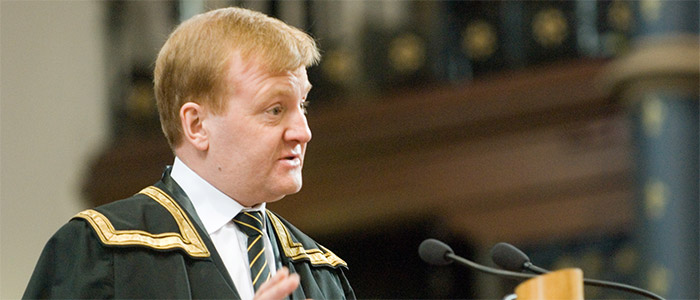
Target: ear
(192, 117)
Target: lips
(291, 161)
(292, 158)
(293, 155)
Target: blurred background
(566, 128)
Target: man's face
(257, 144)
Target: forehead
(244, 74)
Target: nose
(298, 129)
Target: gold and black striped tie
(251, 223)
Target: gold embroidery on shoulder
(188, 239)
(296, 251)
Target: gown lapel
(170, 186)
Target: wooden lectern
(558, 285)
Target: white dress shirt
(216, 210)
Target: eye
(304, 105)
(275, 110)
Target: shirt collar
(214, 208)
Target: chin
(287, 189)
(295, 188)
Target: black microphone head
(508, 257)
(435, 252)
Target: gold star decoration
(659, 278)
(651, 10)
(620, 15)
(407, 53)
(479, 40)
(339, 65)
(550, 28)
(655, 199)
(653, 116)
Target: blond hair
(191, 66)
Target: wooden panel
(502, 102)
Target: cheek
(251, 145)
(226, 145)
(229, 133)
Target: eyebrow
(283, 90)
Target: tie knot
(250, 222)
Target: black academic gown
(153, 245)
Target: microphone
(511, 258)
(438, 253)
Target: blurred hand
(279, 286)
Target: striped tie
(251, 223)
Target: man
(231, 89)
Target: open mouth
(294, 159)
